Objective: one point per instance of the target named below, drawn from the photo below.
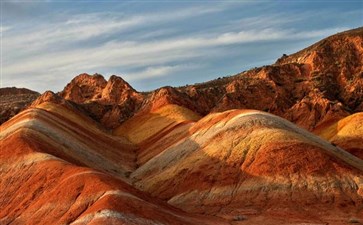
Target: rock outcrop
(108, 102)
(14, 100)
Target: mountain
(280, 144)
(108, 102)
(251, 162)
(13, 100)
(318, 84)
(57, 167)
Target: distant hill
(13, 100)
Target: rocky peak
(335, 67)
(344, 50)
(117, 91)
(167, 95)
(108, 102)
(48, 96)
(338, 58)
(87, 88)
(84, 87)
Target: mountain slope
(248, 162)
(145, 129)
(144, 126)
(57, 167)
(346, 133)
(70, 135)
(235, 165)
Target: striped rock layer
(60, 167)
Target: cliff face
(335, 75)
(13, 100)
(320, 83)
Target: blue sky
(156, 43)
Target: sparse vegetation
(353, 220)
(239, 218)
(300, 79)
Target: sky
(155, 43)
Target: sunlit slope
(346, 133)
(238, 161)
(158, 143)
(39, 188)
(57, 167)
(74, 138)
(145, 125)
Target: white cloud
(85, 26)
(128, 54)
(4, 29)
(159, 71)
(66, 47)
(54, 34)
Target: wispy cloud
(92, 25)
(4, 28)
(159, 71)
(115, 53)
(148, 45)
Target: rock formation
(235, 150)
(253, 163)
(57, 167)
(109, 102)
(320, 83)
(13, 100)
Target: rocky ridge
(307, 88)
